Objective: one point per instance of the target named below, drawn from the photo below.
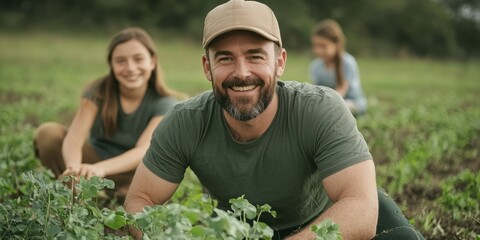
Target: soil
(420, 199)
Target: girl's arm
(352, 76)
(343, 89)
(77, 134)
(127, 161)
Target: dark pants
(47, 145)
(392, 225)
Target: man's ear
(281, 62)
(206, 67)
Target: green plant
(16, 157)
(461, 195)
(430, 223)
(70, 209)
(49, 209)
(177, 221)
(244, 210)
(326, 230)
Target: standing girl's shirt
(321, 75)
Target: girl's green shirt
(129, 126)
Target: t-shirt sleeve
(90, 94)
(165, 156)
(338, 143)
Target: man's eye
(225, 59)
(256, 57)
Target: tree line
(431, 28)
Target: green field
(422, 126)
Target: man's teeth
(244, 88)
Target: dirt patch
(13, 97)
(66, 117)
(455, 229)
(10, 97)
(417, 197)
(420, 198)
(32, 120)
(457, 162)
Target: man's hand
(147, 189)
(134, 232)
(305, 234)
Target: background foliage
(438, 28)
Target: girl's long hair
(332, 31)
(107, 88)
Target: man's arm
(147, 189)
(354, 193)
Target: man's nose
(242, 69)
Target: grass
(422, 126)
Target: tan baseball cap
(241, 15)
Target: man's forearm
(135, 204)
(355, 218)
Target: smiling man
(291, 145)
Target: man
(293, 146)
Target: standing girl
(112, 127)
(335, 68)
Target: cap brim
(251, 29)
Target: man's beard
(242, 108)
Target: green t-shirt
(312, 136)
(129, 126)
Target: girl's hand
(90, 170)
(70, 171)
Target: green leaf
(115, 221)
(53, 230)
(242, 205)
(265, 208)
(198, 231)
(261, 230)
(326, 230)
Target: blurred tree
(413, 26)
(294, 22)
(465, 17)
(418, 27)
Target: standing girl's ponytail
(330, 30)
